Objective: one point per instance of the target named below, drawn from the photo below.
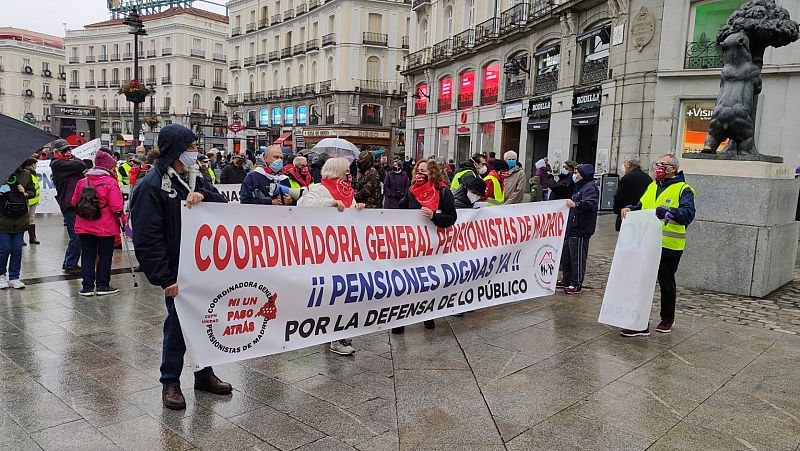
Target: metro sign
(236, 127)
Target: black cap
(500, 165)
(474, 183)
(61, 145)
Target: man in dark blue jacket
(156, 219)
(580, 228)
(67, 170)
(261, 185)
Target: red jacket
(111, 206)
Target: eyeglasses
(662, 165)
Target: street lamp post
(136, 28)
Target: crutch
(126, 246)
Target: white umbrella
(336, 148)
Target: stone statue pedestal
(744, 239)
(733, 157)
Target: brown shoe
(172, 397)
(213, 384)
(72, 271)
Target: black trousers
(100, 249)
(666, 280)
(573, 260)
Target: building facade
(183, 57)
(304, 70)
(32, 75)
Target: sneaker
(16, 284)
(635, 333)
(561, 284)
(337, 347)
(3, 282)
(107, 290)
(86, 292)
(664, 327)
(572, 290)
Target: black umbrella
(18, 141)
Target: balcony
(373, 86)
(102, 84)
(442, 50)
(127, 56)
(62, 97)
(89, 85)
(251, 27)
(165, 111)
(219, 84)
(199, 82)
(297, 91)
(329, 39)
(417, 59)
(250, 61)
(167, 51)
(325, 87)
(487, 31)
(703, 55)
(90, 59)
(463, 41)
(74, 60)
(233, 99)
(47, 95)
(275, 19)
(219, 57)
(151, 81)
(313, 4)
(274, 56)
(377, 39)
(515, 89)
(247, 97)
(466, 100)
(445, 104)
(283, 93)
(286, 52)
(260, 96)
(261, 58)
(114, 84)
(151, 53)
(404, 42)
(102, 59)
(166, 80)
(234, 64)
(371, 120)
(198, 53)
(489, 96)
(330, 120)
(312, 44)
(272, 94)
(299, 49)
(419, 3)
(540, 9)
(125, 110)
(263, 23)
(311, 89)
(236, 31)
(514, 18)
(288, 14)
(115, 57)
(313, 119)
(594, 71)
(300, 9)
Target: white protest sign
(230, 192)
(632, 279)
(260, 280)
(47, 200)
(87, 151)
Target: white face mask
(483, 170)
(188, 159)
(473, 197)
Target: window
(45, 88)
(313, 78)
(373, 69)
(197, 44)
(421, 103)
(26, 107)
(75, 100)
(115, 75)
(151, 74)
(446, 94)
(288, 77)
(252, 50)
(74, 76)
(238, 21)
(423, 33)
(371, 114)
(469, 13)
(466, 90)
(60, 68)
(91, 75)
(168, 70)
(91, 100)
(153, 45)
(195, 71)
(374, 23)
(315, 29)
(331, 23)
(168, 42)
(167, 101)
(74, 52)
(127, 74)
(196, 101)
(443, 135)
(491, 83)
(218, 105)
(103, 51)
(26, 84)
(45, 66)
(301, 75)
(91, 50)
(487, 137)
(448, 22)
(695, 117)
(26, 62)
(709, 16)
(302, 115)
(218, 75)
(330, 68)
(116, 50)
(219, 49)
(103, 74)
(595, 43)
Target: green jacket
(19, 225)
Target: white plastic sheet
(632, 279)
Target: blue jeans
(11, 246)
(74, 247)
(174, 348)
(545, 194)
(101, 249)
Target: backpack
(88, 205)
(13, 204)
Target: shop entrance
(585, 150)
(511, 132)
(462, 148)
(540, 139)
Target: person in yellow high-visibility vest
(496, 183)
(476, 166)
(672, 200)
(124, 170)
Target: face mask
(503, 174)
(483, 170)
(473, 197)
(564, 171)
(188, 159)
(511, 163)
(660, 172)
(420, 178)
(575, 178)
(304, 171)
(276, 166)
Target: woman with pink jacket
(97, 235)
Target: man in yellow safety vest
(496, 183)
(476, 166)
(672, 200)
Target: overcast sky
(48, 16)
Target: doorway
(540, 139)
(586, 148)
(510, 141)
(462, 148)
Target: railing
(233, 99)
(236, 31)
(296, 92)
(151, 53)
(330, 120)
(90, 59)
(102, 84)
(249, 61)
(311, 89)
(313, 4)
(417, 59)
(299, 49)
(74, 60)
(127, 56)
(325, 86)
(488, 96)
(263, 23)
(283, 93)
(125, 110)
(198, 53)
(329, 39)
(166, 111)
(247, 97)
(199, 82)
(288, 14)
(260, 96)
(545, 83)
(463, 41)
(379, 39)
(115, 84)
(420, 108)
(515, 89)
(487, 31)
(149, 81)
(286, 52)
(594, 71)
(312, 44)
(703, 55)
(404, 42)
(89, 84)
(514, 18)
(251, 27)
(445, 104)
(102, 58)
(417, 3)
(219, 84)
(234, 64)
(540, 9)
(274, 56)
(373, 86)
(313, 120)
(276, 18)
(442, 50)
(371, 120)
(166, 80)
(167, 51)
(466, 100)
(219, 57)
(272, 94)
(300, 9)
(115, 57)
(261, 58)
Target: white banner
(231, 192)
(87, 151)
(260, 280)
(47, 201)
(632, 279)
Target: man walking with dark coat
(67, 170)
(580, 228)
(631, 187)
(156, 219)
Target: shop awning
(542, 123)
(588, 118)
(284, 136)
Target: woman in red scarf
(430, 194)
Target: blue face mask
(564, 171)
(276, 166)
(511, 163)
(575, 178)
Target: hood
(540, 164)
(173, 140)
(586, 171)
(365, 160)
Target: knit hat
(586, 171)
(475, 183)
(104, 161)
(500, 165)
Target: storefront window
(487, 137)
(466, 93)
(446, 94)
(277, 116)
(491, 83)
(444, 141)
(263, 117)
(302, 115)
(695, 117)
(420, 143)
(421, 101)
(288, 116)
